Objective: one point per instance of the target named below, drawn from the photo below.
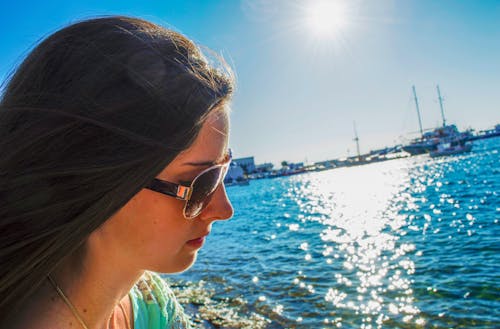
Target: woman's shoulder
(155, 305)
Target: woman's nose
(219, 207)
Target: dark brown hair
(92, 114)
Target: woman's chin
(180, 266)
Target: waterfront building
(234, 174)
(264, 167)
(247, 164)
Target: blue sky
(300, 90)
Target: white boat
(429, 141)
(236, 182)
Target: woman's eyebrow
(208, 163)
(200, 164)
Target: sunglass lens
(203, 189)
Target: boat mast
(441, 105)
(356, 139)
(418, 112)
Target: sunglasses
(199, 193)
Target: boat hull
(415, 149)
(451, 151)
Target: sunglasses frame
(182, 192)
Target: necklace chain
(73, 309)
(66, 300)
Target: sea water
(407, 243)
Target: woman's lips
(196, 243)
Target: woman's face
(150, 231)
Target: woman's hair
(92, 114)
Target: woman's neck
(94, 282)
(96, 291)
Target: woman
(113, 148)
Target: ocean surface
(408, 243)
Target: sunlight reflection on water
(361, 233)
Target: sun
(327, 18)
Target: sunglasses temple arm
(178, 191)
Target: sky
(308, 69)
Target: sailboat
(446, 134)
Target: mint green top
(155, 306)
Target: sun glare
(327, 19)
